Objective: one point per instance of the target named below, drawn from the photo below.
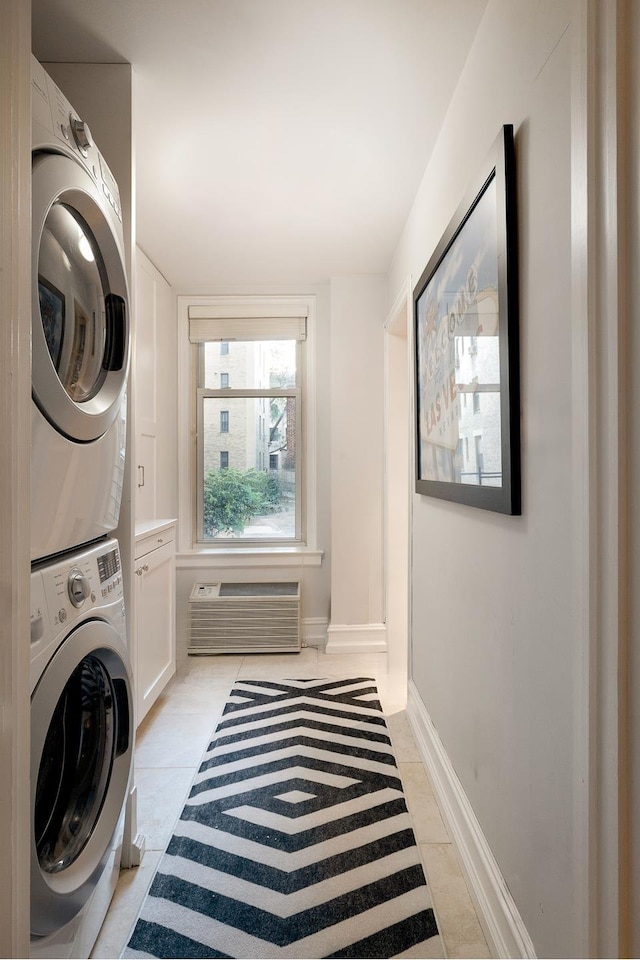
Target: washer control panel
(70, 590)
(63, 590)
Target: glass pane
(75, 767)
(72, 301)
(459, 358)
(256, 364)
(249, 448)
(478, 382)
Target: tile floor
(175, 734)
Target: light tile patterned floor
(176, 733)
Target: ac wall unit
(244, 618)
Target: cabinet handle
(139, 572)
(145, 567)
(141, 475)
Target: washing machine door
(81, 754)
(80, 325)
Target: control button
(81, 134)
(78, 587)
(62, 615)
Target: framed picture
(52, 313)
(466, 348)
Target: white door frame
(398, 396)
(600, 377)
(15, 402)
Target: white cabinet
(155, 386)
(153, 463)
(155, 587)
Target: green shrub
(231, 499)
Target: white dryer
(80, 330)
(82, 733)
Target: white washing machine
(82, 732)
(80, 330)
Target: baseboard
(314, 631)
(503, 926)
(356, 638)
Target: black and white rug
(295, 840)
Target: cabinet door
(155, 390)
(146, 399)
(155, 622)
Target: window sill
(249, 557)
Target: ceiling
(277, 141)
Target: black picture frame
(466, 356)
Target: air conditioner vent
(244, 618)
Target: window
(252, 490)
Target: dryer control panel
(53, 114)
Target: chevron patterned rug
(295, 840)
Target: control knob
(78, 587)
(81, 134)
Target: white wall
(358, 310)
(493, 656)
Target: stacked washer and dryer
(82, 725)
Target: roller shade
(205, 325)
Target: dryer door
(80, 326)
(81, 754)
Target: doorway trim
(15, 390)
(398, 405)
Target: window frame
(227, 393)
(246, 553)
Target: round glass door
(80, 327)
(81, 755)
(75, 769)
(73, 318)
